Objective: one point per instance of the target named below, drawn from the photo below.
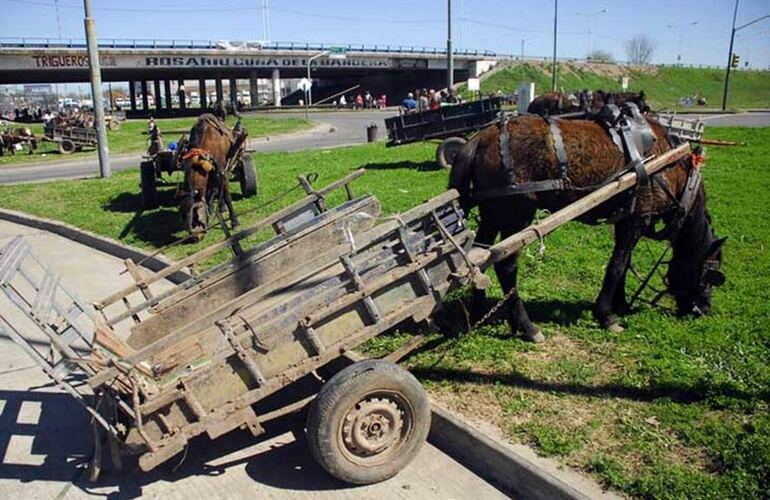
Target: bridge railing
(122, 43)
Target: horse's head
(694, 270)
(195, 198)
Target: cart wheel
(67, 147)
(247, 176)
(149, 185)
(368, 422)
(447, 150)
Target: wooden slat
(217, 247)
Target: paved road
(334, 129)
(45, 439)
(760, 119)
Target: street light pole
(96, 90)
(450, 63)
(555, 18)
(730, 53)
(309, 96)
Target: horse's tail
(460, 175)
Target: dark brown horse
(592, 158)
(553, 103)
(558, 103)
(205, 163)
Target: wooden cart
(71, 139)
(452, 124)
(204, 356)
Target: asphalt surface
(45, 438)
(333, 129)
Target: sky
(698, 30)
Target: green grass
(671, 408)
(663, 86)
(130, 137)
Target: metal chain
(494, 309)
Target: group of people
(362, 101)
(424, 100)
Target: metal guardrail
(118, 43)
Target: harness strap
(558, 145)
(517, 189)
(505, 149)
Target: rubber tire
(247, 176)
(149, 185)
(343, 391)
(67, 147)
(447, 151)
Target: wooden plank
(217, 247)
(329, 259)
(513, 243)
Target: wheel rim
(375, 428)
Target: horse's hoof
(536, 337)
(616, 328)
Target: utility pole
(730, 53)
(450, 63)
(555, 18)
(96, 91)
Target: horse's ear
(641, 94)
(716, 246)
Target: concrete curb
(95, 241)
(516, 470)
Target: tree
(640, 48)
(600, 56)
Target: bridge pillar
(158, 104)
(253, 88)
(145, 100)
(234, 93)
(277, 87)
(132, 94)
(202, 91)
(181, 93)
(218, 88)
(167, 90)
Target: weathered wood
(513, 243)
(217, 247)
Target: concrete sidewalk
(45, 438)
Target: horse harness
(633, 137)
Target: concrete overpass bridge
(165, 64)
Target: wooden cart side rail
(325, 260)
(217, 247)
(513, 243)
(248, 258)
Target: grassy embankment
(663, 86)
(130, 137)
(672, 408)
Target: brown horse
(592, 158)
(558, 103)
(553, 103)
(205, 164)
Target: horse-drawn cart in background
(270, 331)
(71, 139)
(160, 160)
(452, 124)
